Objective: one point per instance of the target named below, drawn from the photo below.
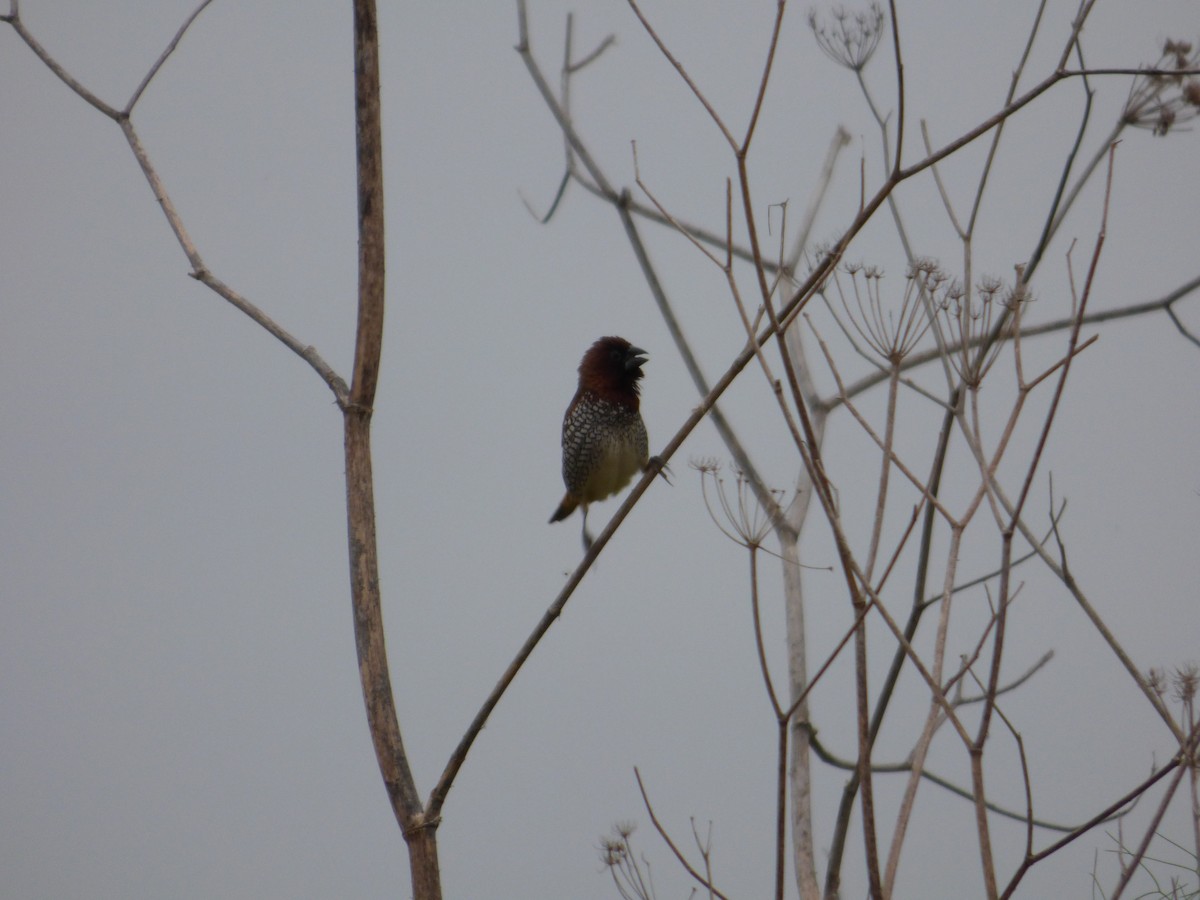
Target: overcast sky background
(180, 714)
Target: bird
(604, 441)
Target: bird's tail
(565, 508)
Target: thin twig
(1105, 815)
(1058, 208)
(1131, 866)
(899, 87)
(687, 79)
(765, 78)
(995, 145)
(759, 646)
(14, 19)
(199, 271)
(662, 832)
(158, 63)
(823, 753)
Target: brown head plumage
(611, 369)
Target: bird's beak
(635, 359)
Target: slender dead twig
(705, 882)
(158, 63)
(902, 768)
(13, 18)
(1107, 814)
(900, 117)
(683, 73)
(200, 270)
(1151, 829)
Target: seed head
(851, 38)
(969, 317)
(890, 329)
(742, 519)
(1162, 102)
(1185, 681)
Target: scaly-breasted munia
(604, 442)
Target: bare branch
(560, 114)
(590, 58)
(1012, 685)
(1105, 815)
(199, 271)
(1180, 326)
(899, 86)
(902, 768)
(14, 19)
(683, 860)
(765, 79)
(687, 79)
(558, 195)
(158, 63)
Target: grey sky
(180, 713)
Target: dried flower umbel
(891, 330)
(851, 38)
(630, 873)
(1161, 102)
(745, 521)
(1182, 683)
(970, 319)
(1185, 681)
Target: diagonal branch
(1178, 764)
(14, 19)
(696, 92)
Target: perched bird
(604, 441)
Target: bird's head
(612, 367)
